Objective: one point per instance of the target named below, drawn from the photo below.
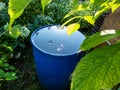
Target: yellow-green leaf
(89, 19)
(44, 3)
(16, 8)
(114, 7)
(77, 9)
(72, 28)
(114, 4)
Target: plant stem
(1, 34)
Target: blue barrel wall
(56, 55)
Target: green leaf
(100, 11)
(16, 8)
(75, 3)
(98, 70)
(44, 3)
(11, 68)
(1, 73)
(98, 38)
(15, 31)
(96, 3)
(114, 4)
(10, 76)
(81, 7)
(8, 47)
(89, 19)
(5, 65)
(72, 28)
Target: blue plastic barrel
(56, 55)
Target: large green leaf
(98, 70)
(44, 3)
(16, 8)
(99, 38)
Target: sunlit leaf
(98, 70)
(16, 8)
(102, 8)
(114, 7)
(44, 3)
(72, 28)
(89, 19)
(78, 8)
(114, 4)
(70, 20)
(99, 38)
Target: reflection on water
(56, 41)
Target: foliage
(101, 37)
(16, 9)
(7, 72)
(88, 11)
(99, 69)
(44, 3)
(12, 34)
(8, 45)
(91, 10)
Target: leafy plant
(90, 10)
(8, 45)
(99, 69)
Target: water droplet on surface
(56, 41)
(62, 45)
(58, 49)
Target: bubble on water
(37, 33)
(49, 28)
(50, 43)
